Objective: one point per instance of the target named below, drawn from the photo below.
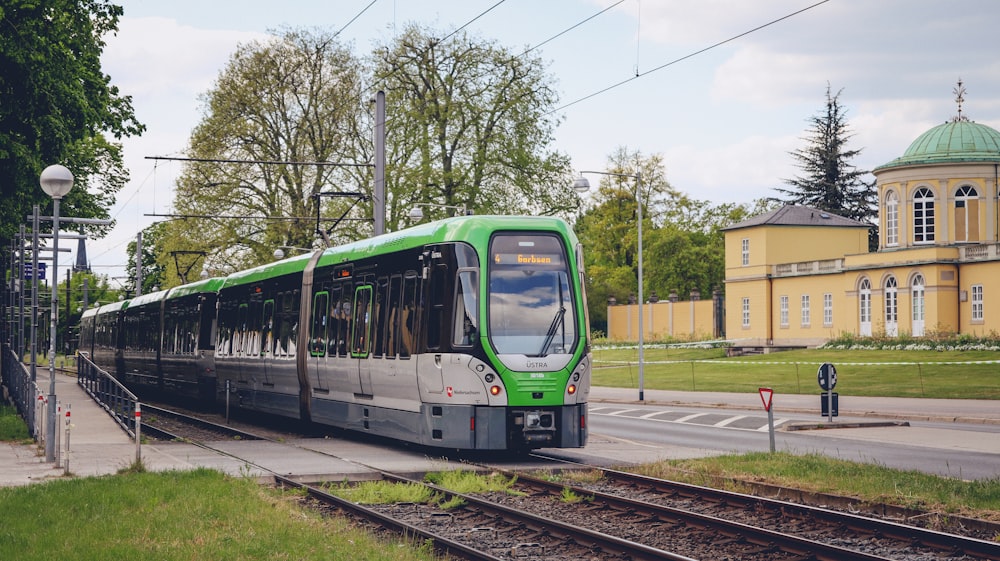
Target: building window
(891, 307)
(865, 312)
(966, 214)
(745, 252)
(827, 310)
(977, 302)
(805, 310)
(783, 311)
(917, 301)
(891, 219)
(923, 216)
(746, 312)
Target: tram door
(364, 316)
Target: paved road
(670, 425)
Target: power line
(685, 57)
(261, 162)
(370, 4)
(568, 29)
(468, 23)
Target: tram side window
(287, 326)
(392, 313)
(267, 329)
(466, 321)
(345, 317)
(241, 329)
(379, 316)
(340, 319)
(317, 338)
(435, 316)
(206, 323)
(408, 315)
(360, 337)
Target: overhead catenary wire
(685, 57)
(468, 23)
(359, 14)
(571, 28)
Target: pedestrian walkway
(98, 446)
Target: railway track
(622, 516)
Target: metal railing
(109, 393)
(23, 392)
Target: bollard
(68, 426)
(57, 440)
(138, 433)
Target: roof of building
(956, 141)
(797, 215)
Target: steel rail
(441, 543)
(932, 539)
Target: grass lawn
(941, 374)
(199, 514)
(868, 483)
(12, 427)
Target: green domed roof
(952, 142)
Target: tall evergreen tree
(830, 181)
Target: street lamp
(581, 185)
(56, 181)
(416, 213)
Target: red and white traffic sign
(765, 396)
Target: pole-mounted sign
(765, 396)
(827, 378)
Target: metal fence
(116, 399)
(23, 392)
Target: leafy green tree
(469, 125)
(608, 228)
(57, 106)
(683, 239)
(87, 288)
(291, 99)
(830, 181)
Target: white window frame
(828, 309)
(745, 252)
(977, 302)
(923, 216)
(783, 310)
(891, 219)
(806, 312)
(746, 312)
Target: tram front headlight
(571, 389)
(495, 390)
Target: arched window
(891, 219)
(923, 216)
(865, 310)
(891, 307)
(917, 298)
(966, 214)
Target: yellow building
(798, 276)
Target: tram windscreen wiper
(556, 322)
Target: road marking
(689, 417)
(653, 414)
(729, 420)
(622, 412)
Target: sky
(724, 118)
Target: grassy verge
(888, 373)
(177, 516)
(869, 483)
(12, 427)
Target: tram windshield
(531, 298)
